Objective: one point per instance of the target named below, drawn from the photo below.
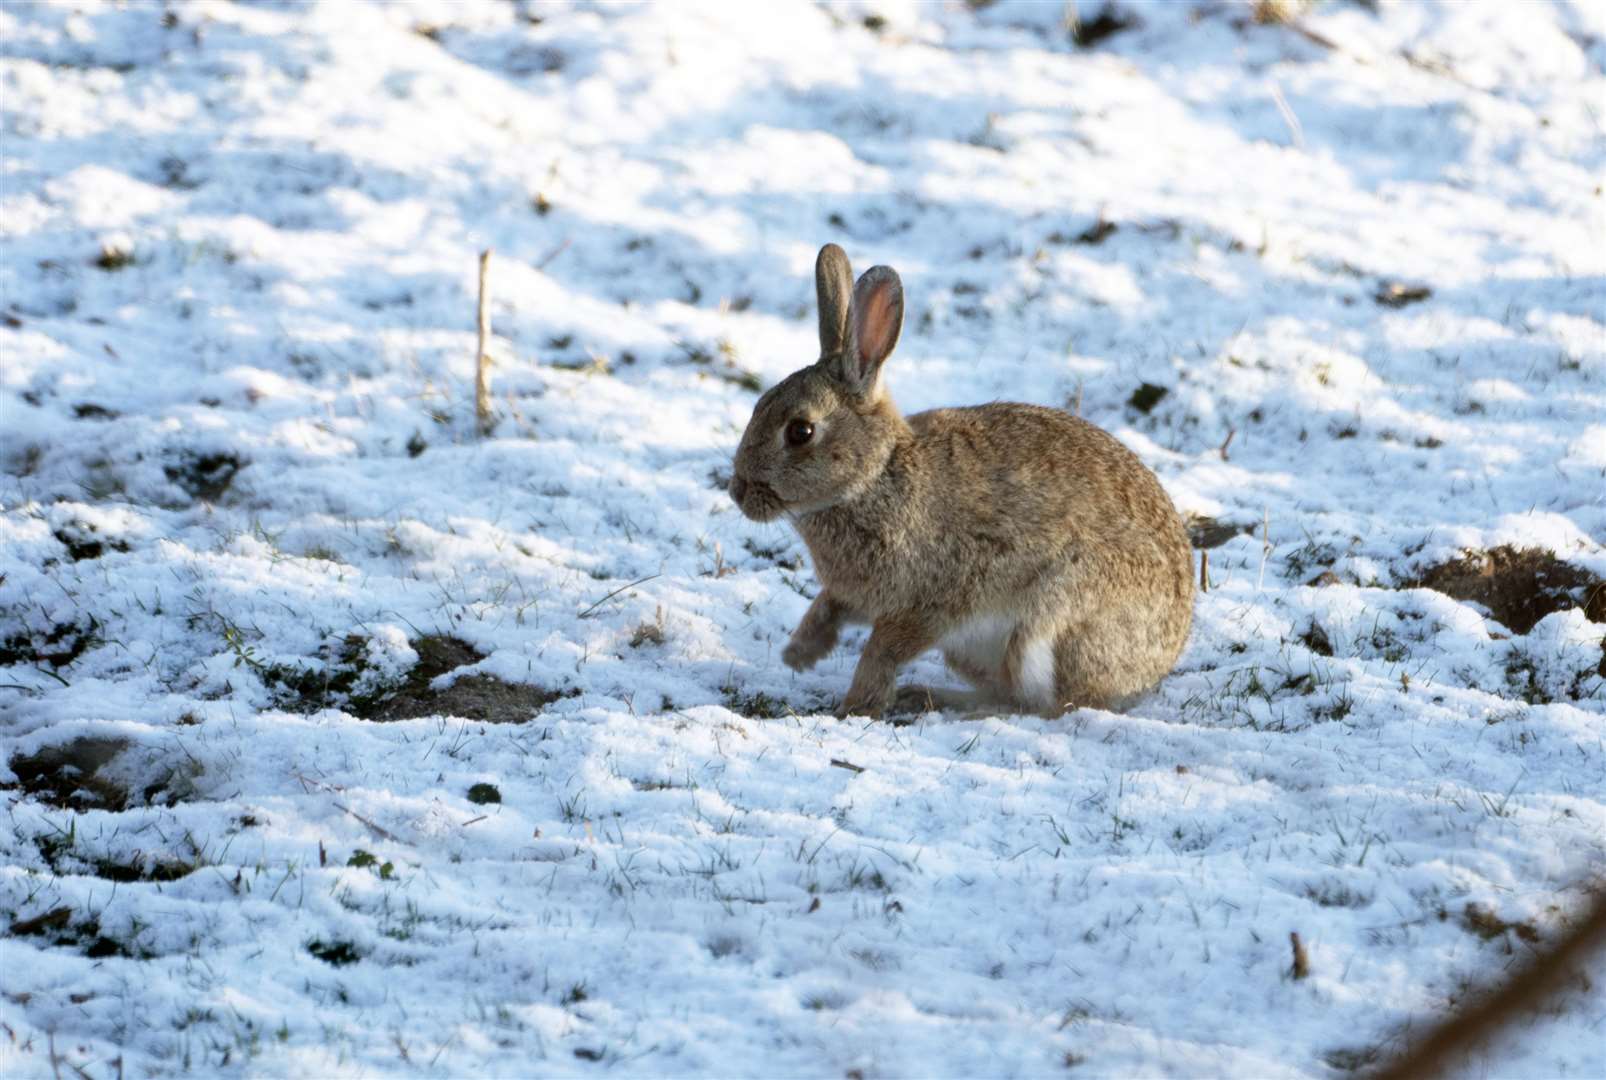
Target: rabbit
(1038, 553)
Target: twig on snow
(384, 833)
(1301, 957)
(482, 364)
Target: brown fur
(1034, 525)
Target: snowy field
(337, 740)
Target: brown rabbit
(1032, 548)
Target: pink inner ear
(876, 323)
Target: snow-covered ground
(1342, 285)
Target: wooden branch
(482, 367)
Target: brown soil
(65, 775)
(1519, 585)
(472, 697)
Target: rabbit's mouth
(755, 499)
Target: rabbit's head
(821, 435)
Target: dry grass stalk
(1301, 957)
(482, 366)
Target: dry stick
(1497, 1007)
(1294, 130)
(482, 366)
(553, 254)
(1204, 571)
(1301, 957)
(384, 833)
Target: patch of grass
(1522, 676)
(1310, 555)
(334, 953)
(484, 794)
(1519, 586)
(1336, 894)
(367, 859)
(755, 704)
(777, 555)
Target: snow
(238, 289)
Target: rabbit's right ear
(833, 280)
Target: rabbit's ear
(833, 280)
(874, 322)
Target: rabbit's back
(1063, 527)
(1042, 472)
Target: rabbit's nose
(738, 489)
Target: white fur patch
(1037, 673)
(980, 643)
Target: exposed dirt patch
(755, 705)
(1316, 640)
(68, 775)
(1477, 919)
(1519, 586)
(1107, 22)
(1398, 294)
(63, 856)
(1146, 397)
(334, 953)
(204, 476)
(58, 646)
(82, 541)
(59, 927)
(343, 681)
(473, 697)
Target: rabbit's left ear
(875, 319)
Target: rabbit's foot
(806, 650)
(870, 705)
(816, 634)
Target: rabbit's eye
(798, 432)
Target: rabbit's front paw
(856, 705)
(806, 650)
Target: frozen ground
(245, 519)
